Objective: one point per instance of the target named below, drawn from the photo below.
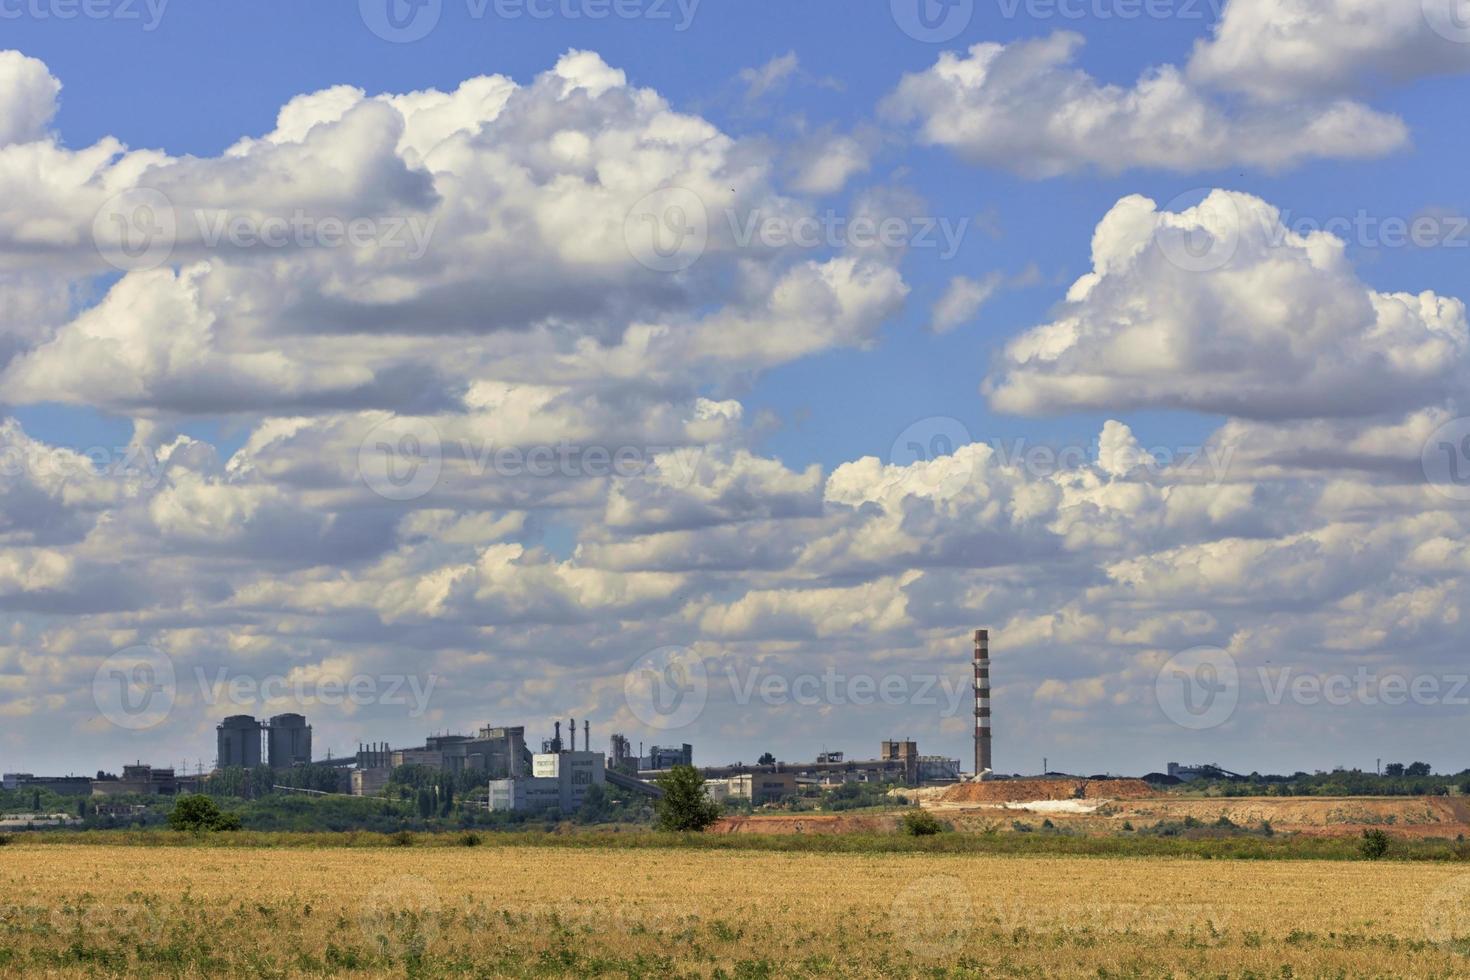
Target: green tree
(922, 823)
(1417, 769)
(1394, 769)
(200, 814)
(448, 806)
(1374, 844)
(685, 805)
(426, 803)
(766, 760)
(596, 807)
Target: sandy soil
(1403, 816)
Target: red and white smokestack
(982, 703)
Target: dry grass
(495, 911)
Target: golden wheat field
(70, 910)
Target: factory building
(660, 758)
(238, 742)
(288, 740)
(757, 787)
(898, 762)
(559, 781)
(139, 780)
(60, 785)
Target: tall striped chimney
(982, 703)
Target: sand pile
(1027, 790)
(805, 824)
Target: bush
(5, 839)
(470, 839)
(921, 823)
(685, 805)
(402, 839)
(1374, 844)
(200, 815)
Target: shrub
(402, 838)
(1374, 844)
(685, 805)
(921, 823)
(5, 839)
(200, 815)
(470, 839)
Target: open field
(80, 910)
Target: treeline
(1398, 779)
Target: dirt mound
(805, 824)
(1315, 816)
(1027, 790)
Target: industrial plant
(555, 779)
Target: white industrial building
(558, 781)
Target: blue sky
(125, 81)
(209, 76)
